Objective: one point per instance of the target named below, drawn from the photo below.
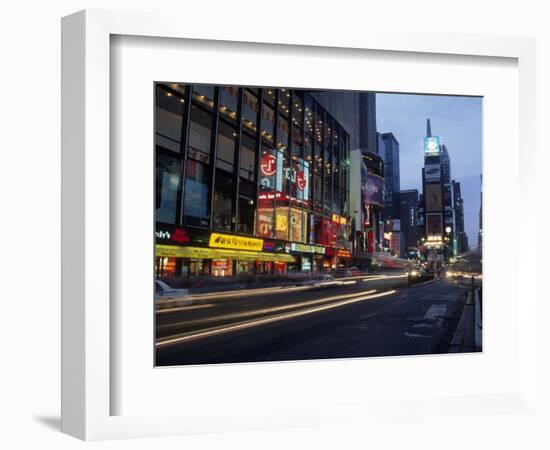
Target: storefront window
(244, 267)
(165, 267)
(222, 267)
(167, 179)
(281, 223)
(168, 119)
(265, 221)
(298, 225)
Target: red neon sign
(268, 165)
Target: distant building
(458, 205)
(437, 207)
(480, 235)
(391, 176)
(409, 214)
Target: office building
(249, 181)
(409, 222)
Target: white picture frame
(87, 326)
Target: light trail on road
(259, 312)
(191, 336)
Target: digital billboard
(373, 190)
(433, 225)
(431, 145)
(433, 197)
(432, 173)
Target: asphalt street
(366, 316)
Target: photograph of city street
(299, 224)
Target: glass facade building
(248, 180)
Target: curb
(467, 336)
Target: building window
(200, 135)
(221, 213)
(296, 141)
(282, 133)
(225, 155)
(247, 158)
(298, 225)
(168, 118)
(247, 212)
(268, 123)
(269, 96)
(229, 97)
(196, 208)
(297, 109)
(167, 177)
(281, 222)
(204, 94)
(250, 110)
(284, 101)
(328, 180)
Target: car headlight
(414, 273)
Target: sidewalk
(468, 334)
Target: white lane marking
(414, 335)
(253, 323)
(435, 312)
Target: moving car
(162, 290)
(324, 280)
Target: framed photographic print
(266, 232)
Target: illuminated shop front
(248, 180)
(219, 255)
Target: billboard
(372, 190)
(432, 173)
(431, 145)
(433, 197)
(434, 225)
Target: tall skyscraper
(367, 182)
(480, 235)
(392, 181)
(409, 214)
(367, 118)
(458, 205)
(434, 174)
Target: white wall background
(30, 192)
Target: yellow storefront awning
(174, 251)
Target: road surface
(376, 315)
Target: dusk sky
(458, 121)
